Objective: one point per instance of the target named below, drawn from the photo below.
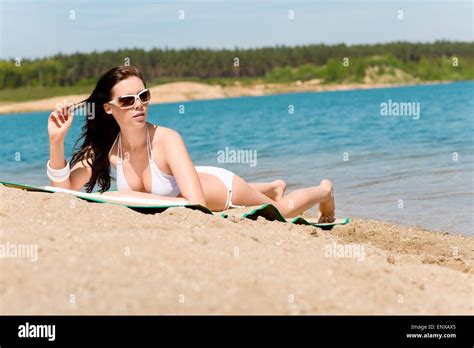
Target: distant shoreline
(187, 91)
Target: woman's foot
(327, 207)
(280, 187)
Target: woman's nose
(138, 104)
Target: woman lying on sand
(152, 160)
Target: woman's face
(133, 116)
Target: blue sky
(31, 29)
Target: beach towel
(153, 206)
(271, 213)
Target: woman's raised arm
(59, 123)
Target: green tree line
(426, 61)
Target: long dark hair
(101, 129)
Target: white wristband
(58, 175)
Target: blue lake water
(406, 169)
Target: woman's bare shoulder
(165, 134)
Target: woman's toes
(326, 219)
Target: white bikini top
(162, 184)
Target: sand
(105, 259)
(186, 91)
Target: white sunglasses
(128, 101)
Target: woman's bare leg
(327, 208)
(292, 204)
(273, 190)
(215, 191)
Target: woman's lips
(139, 115)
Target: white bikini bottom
(226, 176)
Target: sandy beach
(105, 259)
(186, 91)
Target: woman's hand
(59, 122)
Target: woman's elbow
(196, 200)
(64, 184)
